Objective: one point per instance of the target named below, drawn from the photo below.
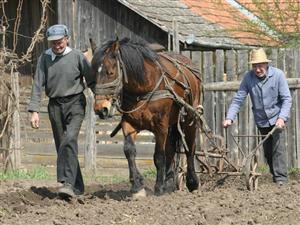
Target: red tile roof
(283, 15)
(231, 19)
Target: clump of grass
(264, 169)
(294, 170)
(37, 173)
(149, 173)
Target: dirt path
(218, 202)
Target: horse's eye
(99, 69)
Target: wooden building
(198, 29)
(174, 24)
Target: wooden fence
(222, 72)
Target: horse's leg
(192, 181)
(171, 146)
(160, 161)
(135, 177)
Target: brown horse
(151, 90)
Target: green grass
(37, 173)
(294, 170)
(264, 169)
(149, 173)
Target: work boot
(77, 192)
(66, 191)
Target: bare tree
(278, 19)
(9, 85)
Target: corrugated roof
(190, 25)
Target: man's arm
(36, 91)
(237, 103)
(286, 99)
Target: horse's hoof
(140, 194)
(159, 191)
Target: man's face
(59, 46)
(260, 69)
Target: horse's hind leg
(135, 177)
(160, 161)
(172, 144)
(192, 181)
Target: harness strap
(195, 71)
(147, 99)
(159, 94)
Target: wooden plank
(243, 119)
(208, 98)
(90, 140)
(291, 125)
(233, 129)
(297, 109)
(175, 41)
(186, 54)
(220, 95)
(281, 59)
(274, 57)
(294, 83)
(197, 59)
(291, 135)
(282, 65)
(15, 139)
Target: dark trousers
(275, 153)
(66, 115)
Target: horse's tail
(175, 138)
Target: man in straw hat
(271, 103)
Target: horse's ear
(116, 46)
(93, 45)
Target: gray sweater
(61, 77)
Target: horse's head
(106, 65)
(120, 69)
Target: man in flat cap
(61, 70)
(271, 104)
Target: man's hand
(35, 118)
(227, 123)
(280, 123)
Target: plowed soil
(220, 200)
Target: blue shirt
(271, 97)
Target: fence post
(15, 138)
(90, 138)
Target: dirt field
(220, 201)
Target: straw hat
(258, 56)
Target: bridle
(114, 88)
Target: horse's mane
(133, 54)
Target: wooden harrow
(212, 158)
